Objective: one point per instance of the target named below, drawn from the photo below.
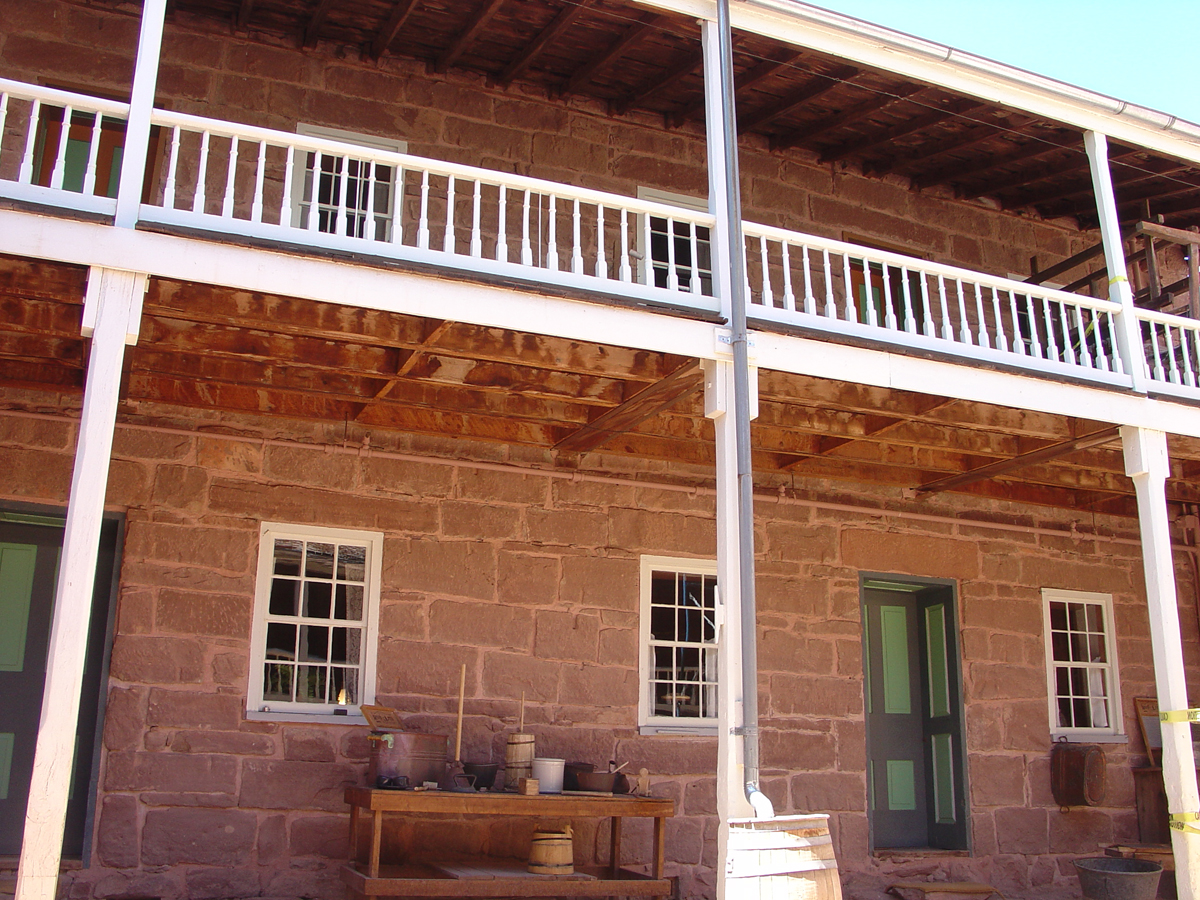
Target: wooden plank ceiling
(215, 349)
(799, 100)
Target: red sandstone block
(670, 756)
(228, 549)
(324, 884)
(142, 443)
(402, 476)
(449, 568)
(531, 580)
(191, 709)
(91, 65)
(565, 636)
(156, 660)
(188, 773)
(37, 473)
(539, 118)
(138, 884)
(229, 455)
(404, 617)
(796, 750)
(272, 838)
(1080, 830)
(685, 840)
(829, 791)
(992, 681)
(235, 743)
(600, 686)
(117, 833)
(508, 674)
(1020, 830)
(481, 521)
(279, 784)
(203, 837)
(216, 883)
(573, 528)
(307, 745)
(481, 624)
(997, 780)
(195, 612)
(910, 553)
(637, 531)
(418, 667)
(699, 797)
(124, 718)
(319, 836)
(618, 646)
(313, 468)
(229, 668)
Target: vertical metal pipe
(741, 412)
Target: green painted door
(914, 717)
(29, 555)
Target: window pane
(317, 598)
(1058, 616)
(344, 686)
(349, 602)
(687, 663)
(689, 628)
(314, 643)
(662, 623)
(1062, 647)
(318, 561)
(310, 684)
(345, 645)
(277, 681)
(1096, 652)
(1095, 618)
(287, 556)
(352, 563)
(281, 641)
(1079, 648)
(285, 597)
(662, 588)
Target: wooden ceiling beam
(316, 21)
(1126, 196)
(467, 35)
(1038, 148)
(630, 38)
(560, 23)
(816, 87)
(972, 137)
(408, 361)
(391, 27)
(853, 113)
(902, 129)
(1062, 448)
(1034, 198)
(660, 84)
(648, 402)
(743, 82)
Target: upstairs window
(679, 645)
(1081, 664)
(315, 620)
(681, 244)
(355, 196)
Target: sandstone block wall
(531, 578)
(458, 117)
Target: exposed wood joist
(408, 361)
(934, 148)
(648, 402)
(851, 114)
(312, 30)
(391, 27)
(630, 38)
(817, 86)
(1033, 197)
(1040, 147)
(902, 129)
(692, 63)
(467, 36)
(1126, 194)
(748, 79)
(560, 23)
(1095, 439)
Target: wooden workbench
(496, 877)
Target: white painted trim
(141, 109)
(648, 723)
(268, 532)
(1115, 732)
(892, 51)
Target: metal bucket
(784, 858)
(1109, 878)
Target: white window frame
(302, 184)
(256, 706)
(648, 722)
(683, 201)
(1115, 730)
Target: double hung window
(1081, 664)
(354, 194)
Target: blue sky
(1140, 53)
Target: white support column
(141, 104)
(731, 797)
(112, 310)
(718, 197)
(1147, 464)
(1129, 332)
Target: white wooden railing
(219, 177)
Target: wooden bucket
(518, 760)
(784, 858)
(551, 853)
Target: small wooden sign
(382, 718)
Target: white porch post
(1129, 332)
(141, 103)
(112, 309)
(1147, 464)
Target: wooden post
(1193, 251)
(1129, 331)
(112, 309)
(1147, 464)
(141, 105)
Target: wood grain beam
(972, 137)
(560, 23)
(1044, 454)
(743, 82)
(648, 402)
(630, 38)
(466, 38)
(1038, 148)
(817, 87)
(316, 21)
(851, 114)
(391, 27)
(902, 129)
(408, 361)
(660, 84)
(1033, 197)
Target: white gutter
(956, 70)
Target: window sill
(697, 730)
(1075, 737)
(310, 718)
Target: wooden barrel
(784, 858)
(551, 853)
(518, 760)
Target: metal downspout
(741, 412)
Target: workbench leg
(376, 837)
(660, 835)
(614, 846)
(353, 835)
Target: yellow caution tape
(1117, 278)
(1177, 716)
(1179, 821)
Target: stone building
(369, 340)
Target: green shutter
(939, 678)
(893, 622)
(901, 784)
(6, 751)
(17, 563)
(943, 778)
